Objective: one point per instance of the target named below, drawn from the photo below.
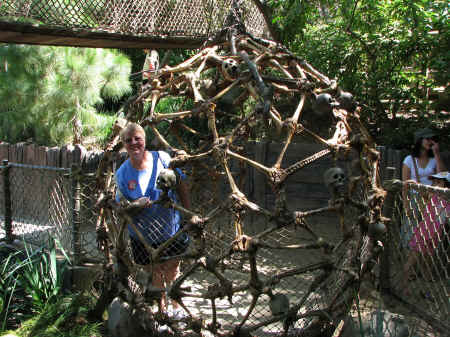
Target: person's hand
(143, 202)
(435, 148)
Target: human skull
(279, 304)
(334, 178)
(346, 101)
(230, 69)
(323, 104)
(376, 229)
(167, 179)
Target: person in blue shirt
(136, 179)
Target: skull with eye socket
(167, 179)
(230, 69)
(334, 179)
(323, 104)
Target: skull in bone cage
(346, 101)
(230, 69)
(323, 104)
(334, 179)
(167, 179)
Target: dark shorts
(141, 256)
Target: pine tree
(48, 92)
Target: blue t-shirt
(157, 223)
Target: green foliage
(389, 54)
(43, 90)
(29, 281)
(63, 318)
(9, 287)
(42, 276)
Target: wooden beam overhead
(38, 35)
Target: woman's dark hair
(417, 147)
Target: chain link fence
(416, 264)
(41, 203)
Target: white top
(144, 177)
(424, 173)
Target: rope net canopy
(123, 24)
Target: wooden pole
(7, 196)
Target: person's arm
(437, 156)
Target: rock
(119, 319)
(380, 323)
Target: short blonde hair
(131, 128)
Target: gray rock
(380, 323)
(119, 319)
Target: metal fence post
(7, 195)
(76, 216)
(385, 265)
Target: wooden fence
(305, 189)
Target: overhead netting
(162, 18)
(249, 268)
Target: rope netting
(420, 247)
(160, 18)
(283, 275)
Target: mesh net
(171, 18)
(420, 248)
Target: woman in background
(424, 161)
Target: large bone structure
(262, 73)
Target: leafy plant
(42, 275)
(9, 287)
(65, 317)
(29, 281)
(389, 54)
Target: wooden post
(76, 216)
(7, 196)
(386, 256)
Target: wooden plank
(12, 153)
(53, 157)
(41, 35)
(41, 155)
(78, 154)
(4, 151)
(16, 153)
(313, 191)
(66, 155)
(29, 154)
